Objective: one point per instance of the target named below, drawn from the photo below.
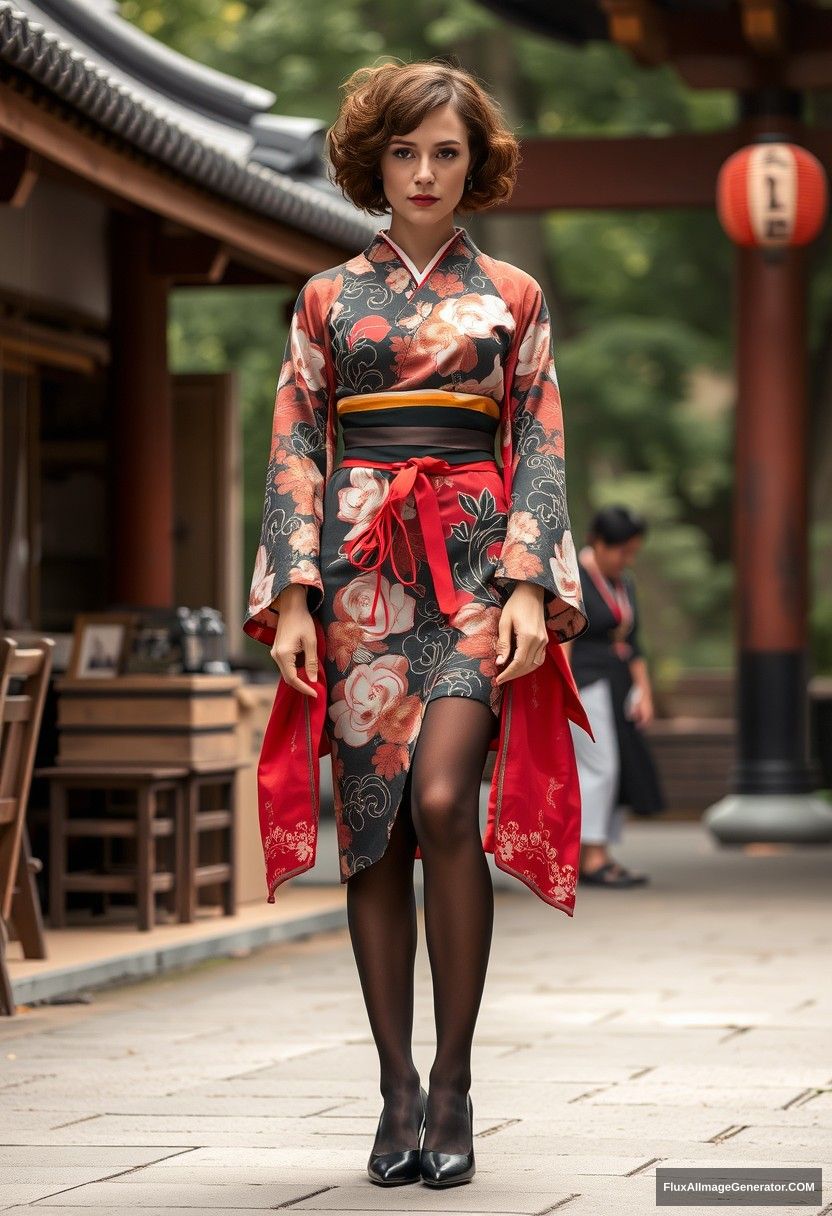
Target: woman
(421, 582)
(611, 672)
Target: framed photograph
(100, 645)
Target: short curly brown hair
(393, 98)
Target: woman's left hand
(523, 620)
(642, 712)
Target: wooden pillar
(142, 422)
(773, 797)
(771, 522)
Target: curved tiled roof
(208, 127)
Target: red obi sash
(413, 474)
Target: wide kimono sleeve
(538, 546)
(289, 547)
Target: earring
(469, 181)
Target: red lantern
(772, 195)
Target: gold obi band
(419, 397)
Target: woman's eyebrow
(395, 139)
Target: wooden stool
(151, 785)
(210, 808)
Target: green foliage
(600, 89)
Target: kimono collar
(383, 249)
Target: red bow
(378, 535)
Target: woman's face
(613, 559)
(432, 159)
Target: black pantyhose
(440, 809)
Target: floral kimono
(409, 547)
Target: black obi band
(456, 437)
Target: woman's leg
(459, 899)
(381, 914)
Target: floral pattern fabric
(472, 325)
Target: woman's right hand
(295, 634)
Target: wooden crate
(147, 719)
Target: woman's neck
(420, 244)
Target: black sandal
(610, 874)
(635, 879)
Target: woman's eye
(451, 152)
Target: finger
(287, 662)
(524, 659)
(511, 672)
(525, 651)
(311, 668)
(310, 652)
(504, 637)
(298, 683)
(518, 666)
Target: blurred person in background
(611, 673)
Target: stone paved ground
(684, 1023)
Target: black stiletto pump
(449, 1169)
(394, 1169)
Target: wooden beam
(756, 44)
(639, 27)
(266, 244)
(714, 53)
(50, 344)
(25, 351)
(17, 173)
(653, 172)
(188, 258)
(623, 172)
(764, 25)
